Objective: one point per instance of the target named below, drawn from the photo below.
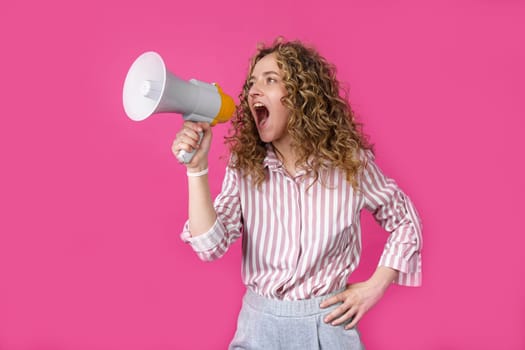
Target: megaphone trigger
(184, 156)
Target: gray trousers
(267, 324)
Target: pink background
(92, 203)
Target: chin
(266, 139)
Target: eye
(271, 80)
(249, 84)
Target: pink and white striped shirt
(301, 242)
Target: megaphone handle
(186, 157)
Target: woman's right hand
(188, 139)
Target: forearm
(202, 214)
(383, 277)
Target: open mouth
(261, 113)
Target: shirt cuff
(206, 241)
(409, 270)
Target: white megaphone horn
(150, 88)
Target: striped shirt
(301, 240)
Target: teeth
(258, 105)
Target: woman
(300, 173)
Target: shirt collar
(271, 161)
(274, 164)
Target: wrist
(197, 173)
(197, 169)
(383, 277)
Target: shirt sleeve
(394, 211)
(227, 228)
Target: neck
(286, 155)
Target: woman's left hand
(358, 298)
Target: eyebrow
(264, 74)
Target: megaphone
(150, 88)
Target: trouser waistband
(288, 308)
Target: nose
(255, 90)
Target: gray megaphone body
(150, 88)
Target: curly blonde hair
(322, 126)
